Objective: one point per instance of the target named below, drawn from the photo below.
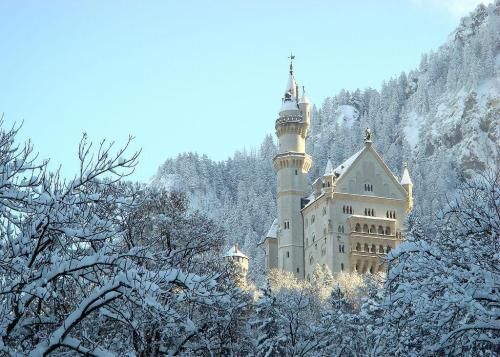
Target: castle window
(343, 209)
(298, 270)
(288, 254)
(341, 266)
(388, 231)
(381, 249)
(356, 267)
(374, 249)
(358, 247)
(357, 228)
(365, 228)
(380, 230)
(367, 248)
(373, 213)
(388, 249)
(340, 248)
(296, 173)
(340, 229)
(350, 209)
(371, 270)
(343, 251)
(373, 229)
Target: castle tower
(292, 165)
(238, 263)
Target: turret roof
(273, 231)
(406, 180)
(329, 168)
(235, 252)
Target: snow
(235, 252)
(289, 105)
(339, 170)
(346, 115)
(291, 86)
(412, 128)
(273, 231)
(406, 180)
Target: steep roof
(329, 168)
(235, 252)
(343, 167)
(406, 180)
(273, 231)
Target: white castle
(355, 214)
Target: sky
(201, 76)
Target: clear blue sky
(203, 76)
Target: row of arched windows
(341, 248)
(368, 187)
(347, 209)
(369, 212)
(286, 225)
(372, 229)
(373, 248)
(341, 229)
(391, 214)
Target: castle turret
(238, 263)
(292, 165)
(408, 186)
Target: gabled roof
(345, 167)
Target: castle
(355, 213)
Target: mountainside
(441, 118)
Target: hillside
(441, 118)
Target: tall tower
(292, 165)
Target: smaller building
(238, 262)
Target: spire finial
(292, 57)
(368, 135)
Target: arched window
(380, 230)
(288, 254)
(373, 229)
(388, 249)
(371, 270)
(388, 230)
(365, 228)
(367, 248)
(374, 249)
(340, 248)
(356, 267)
(394, 214)
(343, 209)
(328, 183)
(358, 247)
(373, 213)
(341, 266)
(381, 249)
(343, 251)
(387, 214)
(357, 228)
(366, 211)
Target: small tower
(329, 176)
(408, 186)
(238, 263)
(292, 165)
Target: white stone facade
(354, 216)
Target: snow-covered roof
(289, 105)
(329, 168)
(273, 231)
(406, 180)
(304, 98)
(235, 252)
(339, 170)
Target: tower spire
(292, 57)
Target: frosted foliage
(94, 266)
